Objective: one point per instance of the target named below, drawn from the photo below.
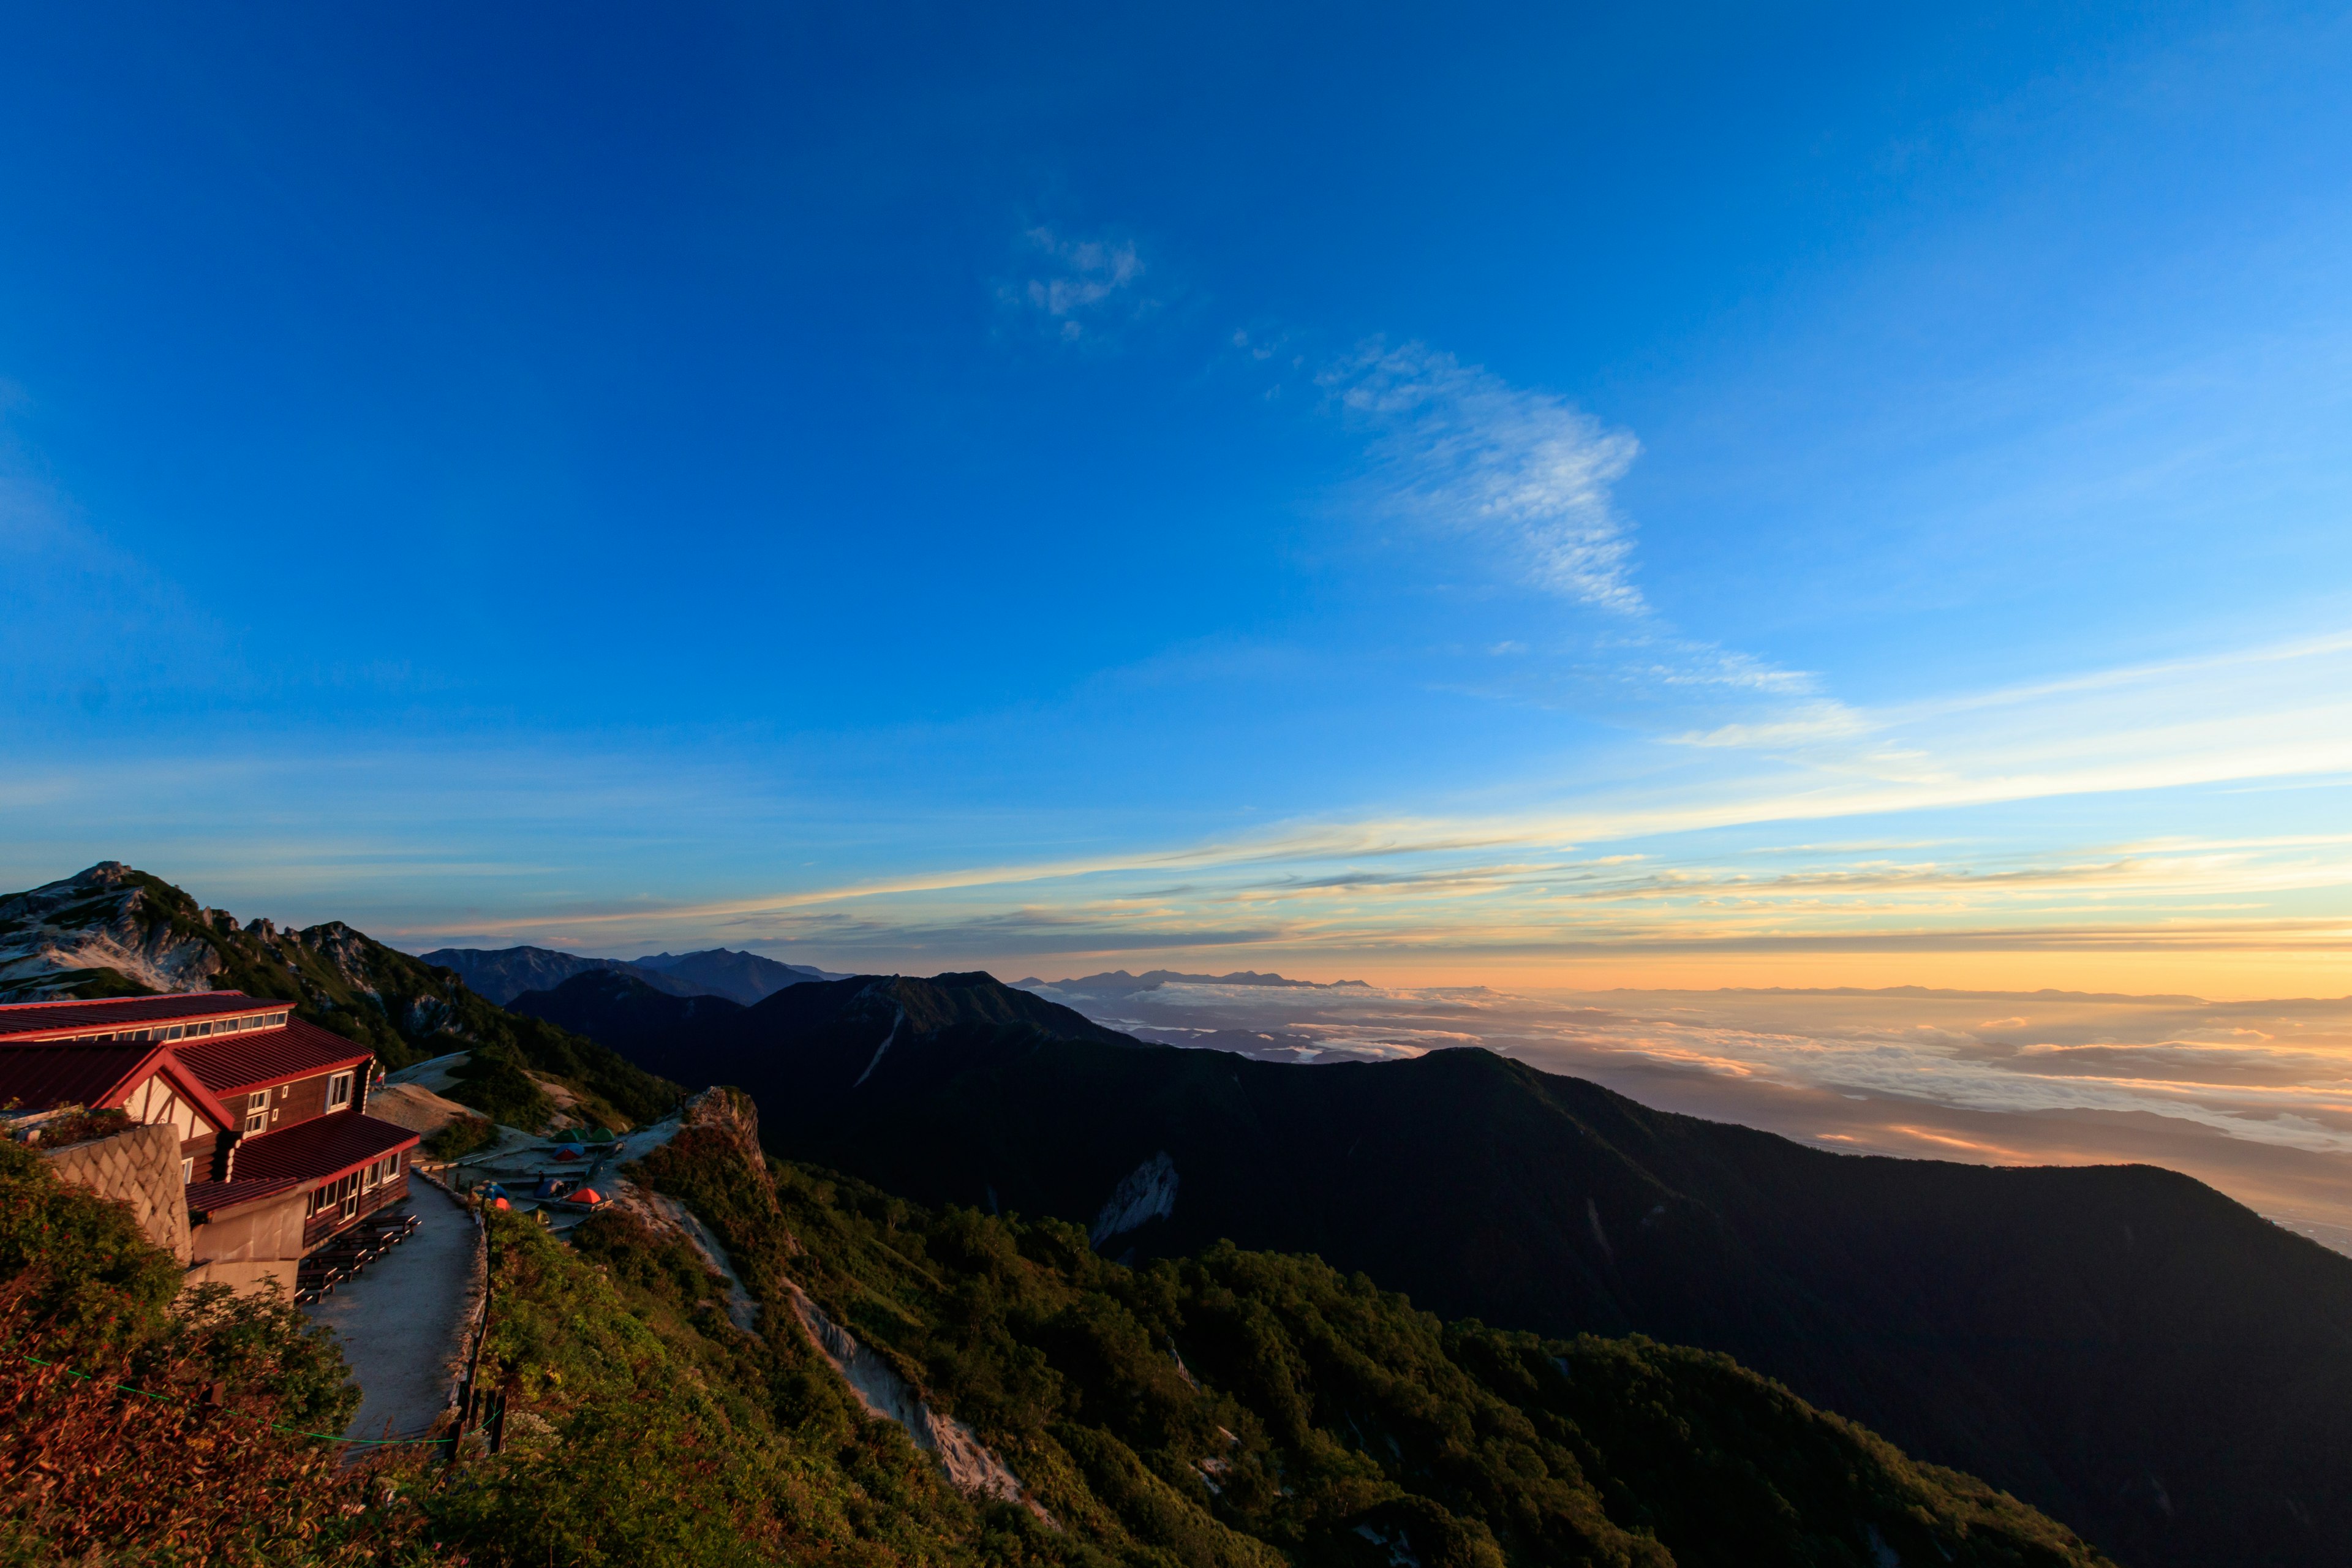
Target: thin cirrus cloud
(1075, 289)
(1434, 883)
(1460, 451)
(1716, 742)
(1527, 471)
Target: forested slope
(1235, 1409)
(2125, 1347)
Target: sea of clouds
(2255, 1098)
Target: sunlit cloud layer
(2256, 1098)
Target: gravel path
(403, 1320)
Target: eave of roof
(321, 1148)
(60, 1020)
(213, 1199)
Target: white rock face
(886, 1395)
(1148, 1192)
(896, 1024)
(889, 1397)
(100, 919)
(742, 1309)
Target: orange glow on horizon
(2215, 975)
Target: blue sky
(1697, 498)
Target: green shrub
(460, 1138)
(1240, 1407)
(80, 1126)
(493, 1080)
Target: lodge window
(188, 1171)
(175, 1031)
(256, 1112)
(339, 1090)
(342, 1192)
(371, 1175)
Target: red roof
(321, 1148)
(212, 1197)
(128, 1011)
(233, 1064)
(37, 1076)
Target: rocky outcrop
(59, 938)
(728, 1111)
(1148, 1193)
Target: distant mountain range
(1115, 982)
(2122, 1346)
(620, 1008)
(506, 973)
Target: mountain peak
(109, 930)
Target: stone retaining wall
(140, 1167)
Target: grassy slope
(1336, 1420)
(642, 1427)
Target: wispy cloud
(1074, 288)
(1516, 881)
(1530, 478)
(1525, 470)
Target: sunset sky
(1545, 497)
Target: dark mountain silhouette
(2122, 1346)
(618, 1008)
(744, 977)
(503, 974)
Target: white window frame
(339, 1090)
(256, 1113)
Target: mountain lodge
(278, 1153)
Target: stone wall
(140, 1167)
